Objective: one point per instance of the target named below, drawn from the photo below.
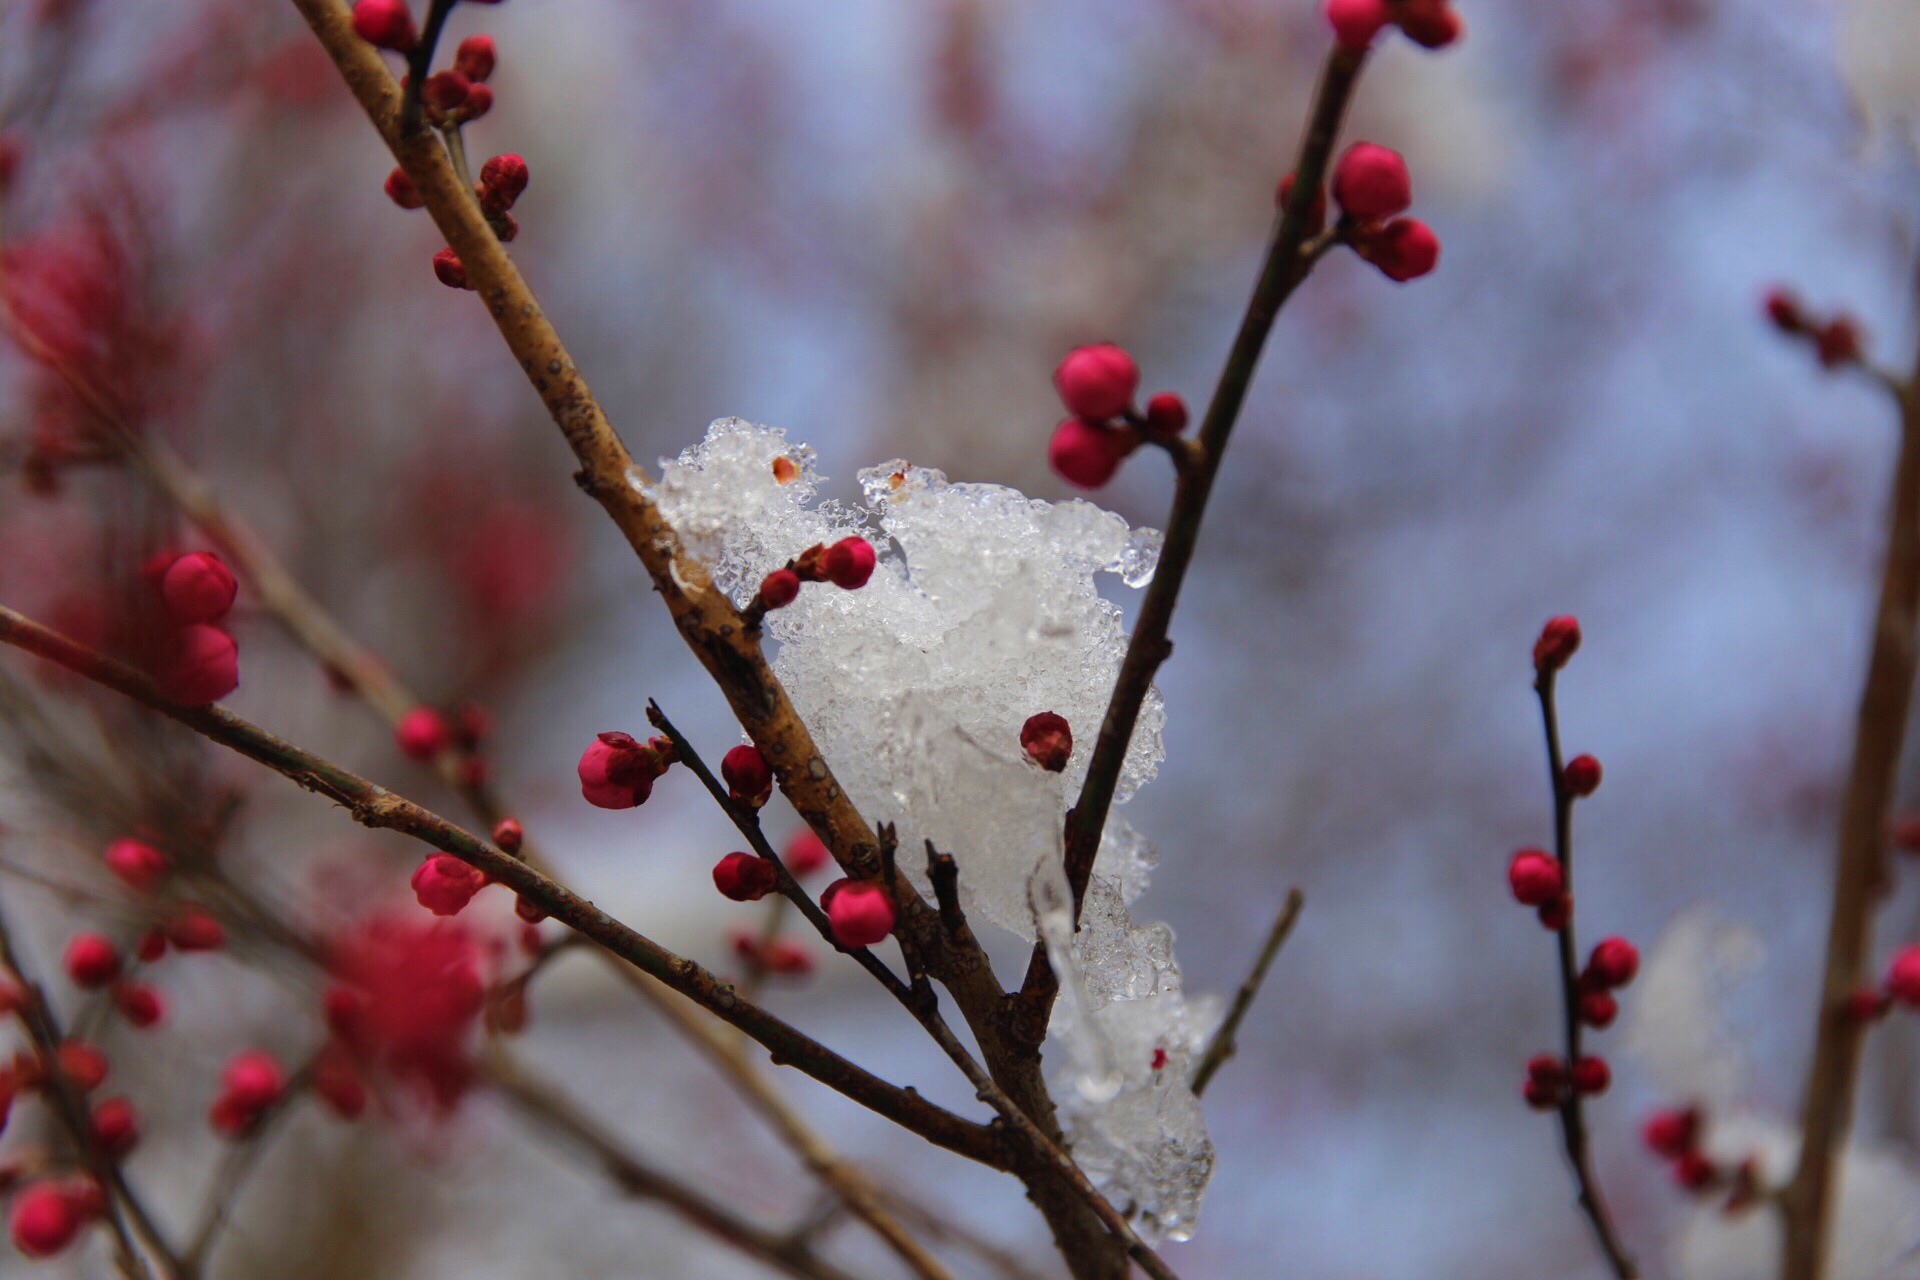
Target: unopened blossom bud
(786, 957)
(1590, 1075)
(339, 1087)
(1541, 1095)
(445, 885)
(1903, 977)
(1838, 342)
(1097, 382)
(502, 180)
(1548, 1067)
(401, 191)
(1783, 309)
(1555, 915)
(1582, 775)
(422, 734)
(1356, 22)
(1598, 1010)
(1087, 454)
(1535, 877)
(745, 877)
(529, 910)
(1695, 1171)
(1614, 963)
(152, 945)
(194, 930)
(229, 1119)
(1371, 183)
(253, 1080)
(1869, 1004)
(508, 835)
(43, 1220)
(198, 587)
(779, 588)
(139, 865)
(479, 102)
(1433, 24)
(1166, 415)
(805, 853)
(1404, 249)
(616, 772)
(449, 270)
(116, 1127)
(202, 665)
(139, 1004)
(384, 24)
(747, 776)
(1559, 638)
(1048, 740)
(91, 961)
(474, 58)
(1672, 1133)
(860, 912)
(82, 1064)
(445, 91)
(849, 563)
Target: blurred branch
(1223, 1045)
(1860, 871)
(231, 1175)
(374, 806)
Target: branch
(235, 1165)
(1223, 1045)
(377, 807)
(1860, 872)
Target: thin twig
(235, 1165)
(1223, 1044)
(420, 61)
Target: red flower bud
(849, 563)
(1087, 454)
(1555, 915)
(479, 102)
(1371, 183)
(152, 945)
(1590, 1076)
(508, 835)
(139, 865)
(860, 912)
(778, 589)
(1549, 1068)
(1783, 309)
(1541, 1095)
(1582, 775)
(401, 191)
(449, 270)
(384, 24)
(1613, 963)
(116, 1127)
(1535, 877)
(422, 734)
(198, 587)
(1404, 249)
(1433, 24)
(43, 1221)
(1356, 22)
(1672, 1133)
(1097, 382)
(1869, 1004)
(1558, 641)
(445, 91)
(1695, 1172)
(747, 776)
(1047, 740)
(1838, 342)
(502, 179)
(1316, 212)
(617, 772)
(1598, 1009)
(253, 1080)
(91, 961)
(530, 911)
(787, 958)
(474, 58)
(202, 666)
(339, 1088)
(194, 930)
(805, 853)
(445, 885)
(1903, 977)
(745, 877)
(83, 1064)
(1166, 415)
(139, 1004)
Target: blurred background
(878, 226)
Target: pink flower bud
(1404, 249)
(139, 1004)
(779, 588)
(1535, 877)
(1598, 1009)
(253, 1080)
(1582, 775)
(502, 179)
(422, 734)
(747, 776)
(194, 930)
(1558, 641)
(1590, 1076)
(202, 665)
(1903, 977)
(198, 587)
(384, 24)
(139, 865)
(401, 191)
(1371, 183)
(849, 563)
(860, 912)
(1356, 22)
(1047, 740)
(474, 58)
(1166, 415)
(449, 270)
(1097, 382)
(43, 1220)
(82, 1064)
(617, 772)
(1672, 1133)
(1086, 454)
(508, 835)
(444, 885)
(116, 1127)
(745, 877)
(1613, 963)
(91, 961)
(806, 853)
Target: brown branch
(377, 807)
(1223, 1045)
(1287, 263)
(1573, 1120)
(1860, 871)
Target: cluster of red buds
(1048, 740)
(1433, 24)
(746, 877)
(199, 663)
(1675, 1136)
(48, 1215)
(1372, 187)
(1551, 1080)
(1901, 987)
(1836, 339)
(1097, 385)
(617, 771)
(847, 564)
(252, 1083)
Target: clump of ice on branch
(984, 609)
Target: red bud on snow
(91, 961)
(401, 191)
(1371, 183)
(1047, 740)
(849, 563)
(202, 666)
(1356, 22)
(139, 865)
(384, 24)
(474, 58)
(860, 912)
(1613, 963)
(1903, 977)
(1582, 775)
(778, 589)
(805, 853)
(422, 734)
(745, 877)
(1097, 382)
(444, 885)
(116, 1127)
(43, 1221)
(747, 776)
(198, 587)
(1535, 877)
(1558, 641)
(1087, 454)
